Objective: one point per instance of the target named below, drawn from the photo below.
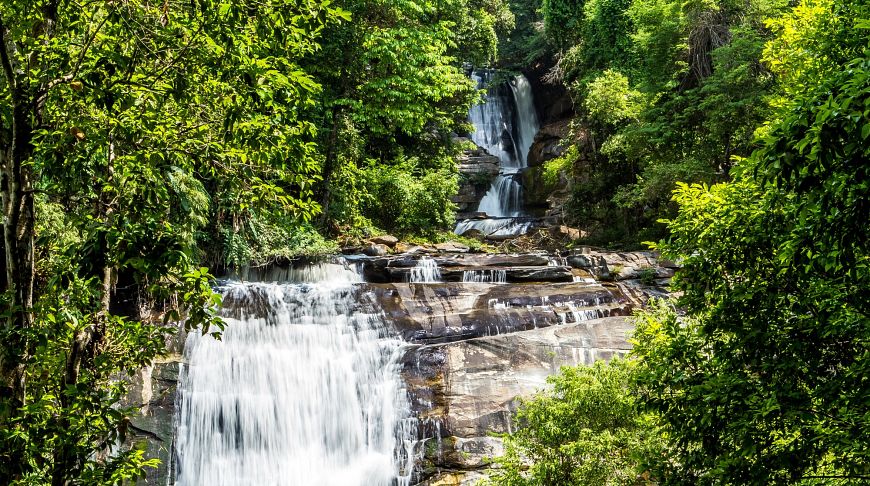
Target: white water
(529, 124)
(485, 276)
(505, 125)
(303, 389)
(426, 271)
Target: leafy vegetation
(664, 92)
(585, 430)
(141, 140)
(757, 373)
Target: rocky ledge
(489, 331)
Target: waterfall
(485, 276)
(505, 124)
(492, 120)
(528, 124)
(426, 271)
(302, 389)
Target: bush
(405, 200)
(585, 431)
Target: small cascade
(557, 261)
(573, 313)
(426, 271)
(505, 125)
(505, 198)
(484, 276)
(302, 389)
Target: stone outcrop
(548, 143)
(473, 348)
(477, 169)
(153, 392)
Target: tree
(394, 90)
(765, 380)
(127, 130)
(583, 431)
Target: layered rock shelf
(488, 331)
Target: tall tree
(765, 380)
(126, 129)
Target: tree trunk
(16, 197)
(329, 167)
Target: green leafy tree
(394, 90)
(584, 431)
(140, 127)
(765, 381)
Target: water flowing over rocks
(461, 336)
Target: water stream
(302, 389)
(505, 124)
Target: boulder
(376, 250)
(388, 240)
(548, 143)
(562, 231)
(451, 246)
(402, 247)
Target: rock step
(445, 312)
(512, 274)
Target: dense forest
(147, 146)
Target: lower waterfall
(302, 389)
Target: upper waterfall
(527, 117)
(505, 124)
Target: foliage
(667, 91)
(584, 431)
(525, 44)
(407, 200)
(765, 381)
(562, 21)
(395, 89)
(610, 100)
(143, 127)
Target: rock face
(153, 391)
(548, 143)
(551, 99)
(490, 332)
(477, 169)
(483, 345)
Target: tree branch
(43, 93)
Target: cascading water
(484, 276)
(302, 389)
(426, 271)
(505, 125)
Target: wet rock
(437, 313)
(402, 247)
(388, 240)
(480, 380)
(500, 260)
(153, 391)
(477, 169)
(376, 250)
(540, 274)
(452, 246)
